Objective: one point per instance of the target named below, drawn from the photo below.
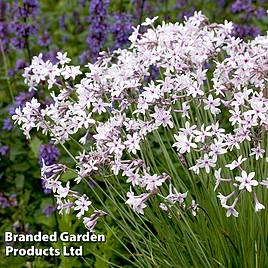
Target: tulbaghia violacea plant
(211, 95)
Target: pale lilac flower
(133, 177)
(217, 131)
(174, 196)
(194, 208)
(217, 148)
(163, 207)
(63, 59)
(134, 36)
(236, 116)
(264, 183)
(188, 130)
(116, 166)
(218, 177)
(183, 143)
(258, 152)
(248, 121)
(162, 117)
(246, 180)
(99, 106)
(231, 209)
(63, 191)
(88, 167)
(116, 146)
(212, 104)
(53, 169)
(151, 93)
(132, 144)
(152, 182)
(202, 133)
(149, 21)
(232, 142)
(207, 162)
(137, 203)
(64, 205)
(259, 110)
(82, 205)
(224, 198)
(51, 183)
(236, 163)
(185, 110)
(258, 205)
(195, 168)
(195, 90)
(70, 72)
(90, 222)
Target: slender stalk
(6, 72)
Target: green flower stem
(6, 73)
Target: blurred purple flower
(243, 31)
(121, 28)
(28, 8)
(241, 5)
(4, 8)
(50, 55)
(7, 125)
(4, 150)
(23, 97)
(48, 153)
(4, 203)
(10, 72)
(13, 200)
(82, 2)
(221, 3)
(98, 29)
(143, 7)
(62, 20)
(77, 22)
(20, 64)
(260, 12)
(3, 33)
(20, 27)
(20, 32)
(49, 210)
(248, 10)
(20, 100)
(44, 40)
(182, 3)
(186, 13)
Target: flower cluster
(114, 108)
(4, 8)
(98, 10)
(21, 27)
(239, 88)
(119, 24)
(247, 10)
(121, 28)
(178, 198)
(66, 198)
